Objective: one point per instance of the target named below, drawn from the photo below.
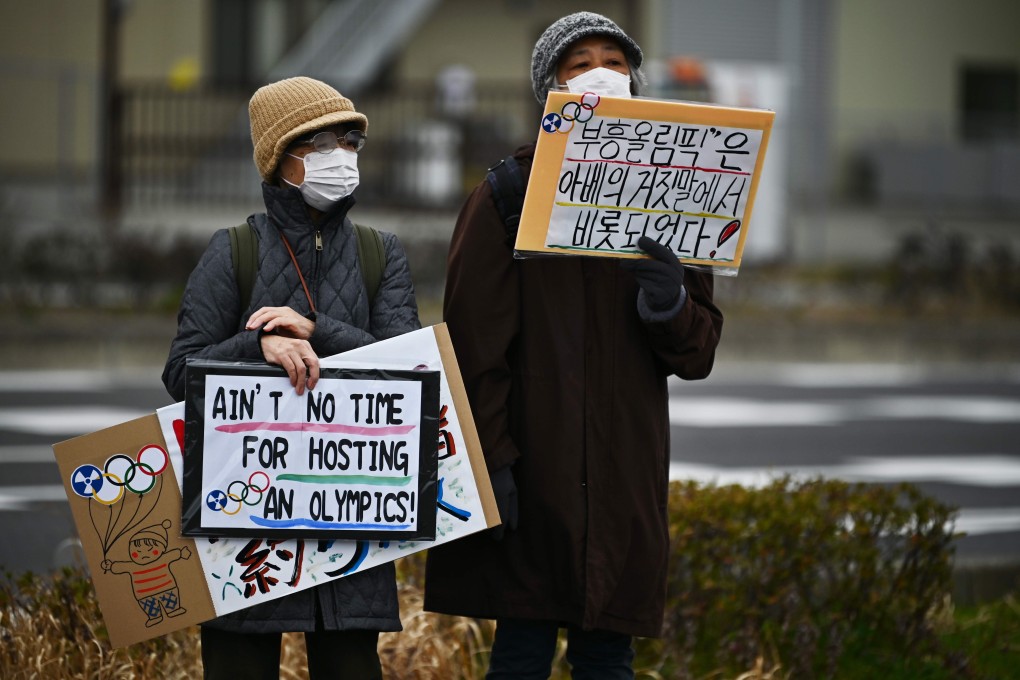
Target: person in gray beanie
(568, 32)
(565, 362)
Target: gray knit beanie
(567, 30)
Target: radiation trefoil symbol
(216, 500)
(87, 480)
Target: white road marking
(65, 421)
(965, 469)
(728, 412)
(814, 375)
(26, 454)
(79, 380)
(19, 497)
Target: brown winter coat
(569, 384)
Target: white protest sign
(207, 577)
(355, 457)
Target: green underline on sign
(629, 251)
(367, 480)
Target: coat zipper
(318, 260)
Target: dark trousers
(524, 650)
(345, 654)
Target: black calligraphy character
(257, 575)
(447, 444)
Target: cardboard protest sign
(124, 488)
(608, 171)
(353, 458)
(127, 507)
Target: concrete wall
(50, 60)
(495, 39)
(163, 39)
(897, 63)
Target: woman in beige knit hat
(308, 298)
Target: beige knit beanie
(283, 111)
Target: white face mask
(328, 177)
(602, 81)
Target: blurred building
(891, 116)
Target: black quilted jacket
(210, 325)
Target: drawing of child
(154, 584)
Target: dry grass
(60, 636)
(52, 629)
(432, 646)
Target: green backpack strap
(371, 258)
(244, 255)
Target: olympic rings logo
(137, 475)
(238, 494)
(570, 113)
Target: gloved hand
(505, 490)
(661, 278)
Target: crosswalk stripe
(965, 469)
(26, 454)
(728, 412)
(857, 375)
(20, 497)
(79, 380)
(65, 421)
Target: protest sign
(353, 458)
(124, 488)
(127, 508)
(608, 171)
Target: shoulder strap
(244, 255)
(508, 188)
(371, 258)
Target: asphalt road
(953, 431)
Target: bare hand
(295, 356)
(106, 565)
(282, 321)
(185, 553)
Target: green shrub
(791, 572)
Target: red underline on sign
(656, 165)
(315, 427)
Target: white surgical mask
(602, 81)
(328, 177)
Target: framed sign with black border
(354, 458)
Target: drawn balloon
(125, 491)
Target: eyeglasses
(327, 140)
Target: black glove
(505, 490)
(662, 278)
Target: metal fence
(194, 146)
